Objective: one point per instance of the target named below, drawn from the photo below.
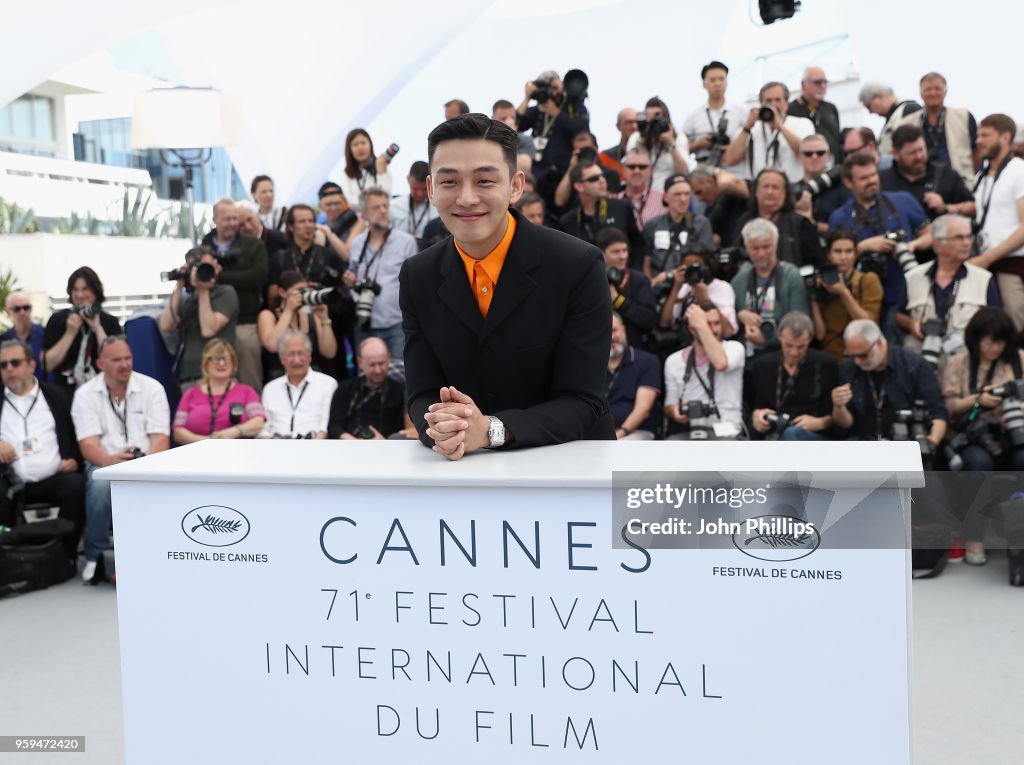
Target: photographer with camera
(879, 98)
(937, 187)
(219, 406)
(771, 200)
(667, 149)
(647, 202)
(667, 236)
(294, 306)
(890, 228)
(39, 456)
(712, 127)
(244, 263)
(596, 211)
(842, 294)
(119, 415)
(704, 382)
(377, 257)
(584, 150)
(559, 114)
(370, 406)
(630, 290)
(341, 221)
(792, 387)
(886, 391)
(199, 309)
(626, 124)
(820, 193)
(770, 137)
(297, 403)
(412, 212)
(724, 196)
(363, 168)
(695, 280)
(73, 335)
(767, 291)
(309, 251)
(633, 382)
(942, 296)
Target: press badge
(540, 143)
(953, 343)
(662, 239)
(684, 237)
(29, 447)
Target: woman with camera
(846, 295)
(993, 358)
(72, 336)
(291, 310)
(220, 406)
(363, 169)
(772, 200)
(696, 281)
(667, 148)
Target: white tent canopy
(306, 72)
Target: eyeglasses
(817, 82)
(956, 238)
(636, 167)
(815, 153)
(219, 359)
(19, 308)
(860, 356)
(592, 179)
(13, 363)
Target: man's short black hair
(501, 103)
(905, 134)
(712, 65)
(859, 159)
(838, 235)
(606, 237)
(419, 171)
(478, 126)
(577, 170)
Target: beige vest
(971, 295)
(958, 139)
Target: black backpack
(34, 556)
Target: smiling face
(471, 186)
(933, 92)
(16, 370)
(264, 195)
(814, 156)
(771, 193)
(81, 293)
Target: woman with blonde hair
(219, 406)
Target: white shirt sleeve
(736, 354)
(86, 419)
(330, 386)
(158, 411)
(674, 368)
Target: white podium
(323, 602)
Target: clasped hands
(456, 424)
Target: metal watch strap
(495, 433)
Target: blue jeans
(393, 336)
(97, 514)
(793, 433)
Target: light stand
(188, 160)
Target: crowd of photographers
(772, 277)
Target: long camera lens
(317, 297)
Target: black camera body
(615, 275)
(15, 483)
(543, 92)
(695, 273)
(931, 347)
(344, 222)
(779, 422)
(695, 410)
(587, 155)
(87, 311)
(818, 184)
(651, 128)
(137, 452)
(1013, 417)
(364, 293)
(913, 425)
(766, 114)
(768, 327)
(235, 413)
(363, 432)
(729, 261)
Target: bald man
(19, 308)
(811, 104)
(372, 405)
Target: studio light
(776, 10)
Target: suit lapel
(514, 282)
(455, 291)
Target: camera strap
(214, 408)
(975, 387)
(374, 256)
(947, 306)
(783, 390)
(416, 220)
(691, 371)
(878, 396)
(363, 396)
(991, 189)
(756, 297)
(880, 227)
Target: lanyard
(790, 386)
(991, 189)
(934, 133)
(691, 369)
(121, 417)
(373, 256)
(711, 123)
(413, 220)
(32, 406)
(216, 408)
(946, 305)
(879, 399)
(294, 406)
(759, 296)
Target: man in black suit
(39, 456)
(527, 369)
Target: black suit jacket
(59, 402)
(538, 361)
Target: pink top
(194, 408)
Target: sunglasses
(13, 363)
(19, 308)
(592, 179)
(815, 153)
(818, 82)
(636, 167)
(860, 356)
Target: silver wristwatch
(495, 433)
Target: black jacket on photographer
(938, 177)
(356, 406)
(245, 267)
(559, 130)
(799, 242)
(666, 250)
(635, 303)
(321, 266)
(54, 331)
(614, 213)
(809, 392)
(907, 377)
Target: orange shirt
(483, 274)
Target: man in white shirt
(999, 199)
(770, 143)
(38, 450)
(412, 212)
(716, 124)
(705, 380)
(119, 415)
(298, 404)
